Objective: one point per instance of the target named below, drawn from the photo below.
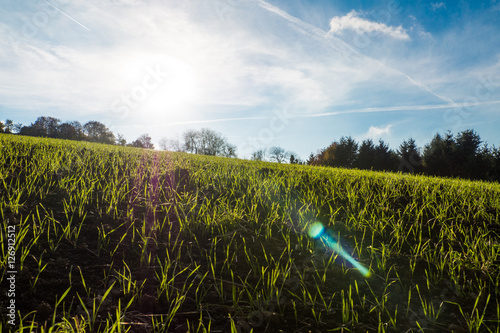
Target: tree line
(204, 141)
(463, 155)
(92, 131)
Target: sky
(295, 74)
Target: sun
(176, 88)
(161, 86)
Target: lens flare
(317, 231)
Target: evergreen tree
(438, 155)
(410, 158)
(366, 155)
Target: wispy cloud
(353, 21)
(437, 5)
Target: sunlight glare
(161, 86)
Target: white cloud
(375, 132)
(437, 5)
(352, 21)
(419, 29)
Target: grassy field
(112, 239)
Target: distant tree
(17, 127)
(410, 158)
(366, 155)
(495, 164)
(98, 132)
(144, 141)
(163, 144)
(311, 160)
(385, 159)
(327, 156)
(318, 158)
(229, 150)
(27, 130)
(339, 154)
(192, 141)
(43, 126)
(136, 143)
(120, 140)
(466, 155)
(170, 144)
(207, 142)
(346, 152)
(485, 164)
(9, 126)
(259, 155)
(71, 130)
(2, 127)
(278, 154)
(438, 155)
(174, 145)
(211, 142)
(294, 159)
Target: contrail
(399, 108)
(66, 15)
(207, 121)
(336, 113)
(318, 33)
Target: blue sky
(297, 74)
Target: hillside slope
(112, 239)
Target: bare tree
(144, 141)
(191, 141)
(207, 142)
(278, 154)
(163, 144)
(11, 127)
(170, 144)
(259, 155)
(229, 150)
(121, 141)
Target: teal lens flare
(317, 231)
